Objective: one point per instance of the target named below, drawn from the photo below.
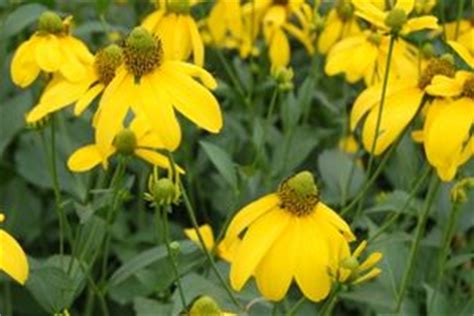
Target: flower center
(437, 66)
(50, 23)
(345, 10)
(395, 19)
(125, 142)
(299, 194)
(281, 2)
(107, 61)
(178, 6)
(468, 89)
(142, 53)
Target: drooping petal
(463, 52)
(24, 69)
(86, 158)
(48, 53)
(442, 86)
(420, 23)
(324, 214)
(275, 272)
(399, 109)
(191, 99)
(156, 105)
(152, 20)
(279, 49)
(198, 46)
(331, 32)
(370, 261)
(260, 236)
(251, 213)
(12, 258)
(369, 12)
(156, 159)
(206, 234)
(405, 5)
(195, 71)
(86, 99)
(372, 274)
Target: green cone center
(299, 194)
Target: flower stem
(421, 179)
(331, 302)
(165, 233)
(420, 230)
(209, 257)
(379, 114)
(292, 311)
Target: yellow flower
(446, 132)
(224, 25)
(51, 49)
(138, 140)
(402, 102)
(351, 271)
(61, 92)
(465, 35)
(12, 257)
(176, 28)
(339, 24)
(152, 85)
(225, 250)
(395, 20)
(466, 52)
(364, 56)
(287, 235)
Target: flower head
(207, 306)
(50, 49)
(12, 257)
(290, 234)
(164, 191)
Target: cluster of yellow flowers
(290, 235)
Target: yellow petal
(24, 69)
(250, 213)
(151, 21)
(191, 99)
(331, 32)
(206, 234)
(86, 99)
(463, 52)
(12, 258)
(405, 5)
(276, 269)
(372, 274)
(325, 214)
(369, 12)
(198, 46)
(48, 53)
(339, 58)
(420, 23)
(227, 248)
(71, 68)
(370, 261)
(279, 49)
(311, 274)
(156, 105)
(85, 158)
(257, 240)
(301, 35)
(399, 109)
(194, 71)
(443, 86)
(360, 249)
(418, 136)
(156, 159)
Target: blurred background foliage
(258, 147)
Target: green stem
(379, 114)
(209, 257)
(331, 302)
(458, 18)
(420, 230)
(165, 233)
(416, 187)
(444, 251)
(292, 311)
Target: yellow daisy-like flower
(51, 49)
(178, 31)
(402, 102)
(350, 271)
(395, 20)
(287, 235)
(152, 86)
(12, 257)
(339, 24)
(61, 92)
(446, 136)
(138, 140)
(224, 25)
(364, 56)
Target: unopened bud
(50, 23)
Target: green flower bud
(178, 6)
(205, 306)
(165, 192)
(396, 19)
(50, 23)
(126, 142)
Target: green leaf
(22, 17)
(437, 303)
(145, 259)
(459, 260)
(222, 161)
(102, 6)
(147, 307)
(12, 114)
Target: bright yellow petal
(399, 109)
(325, 214)
(206, 234)
(331, 32)
(24, 69)
(48, 53)
(260, 236)
(156, 105)
(372, 260)
(227, 248)
(250, 214)
(279, 49)
(152, 20)
(194, 71)
(369, 12)
(405, 5)
(312, 272)
(372, 274)
(191, 99)
(198, 46)
(86, 99)
(276, 270)
(156, 159)
(85, 158)
(463, 52)
(421, 23)
(360, 249)
(12, 258)
(443, 86)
